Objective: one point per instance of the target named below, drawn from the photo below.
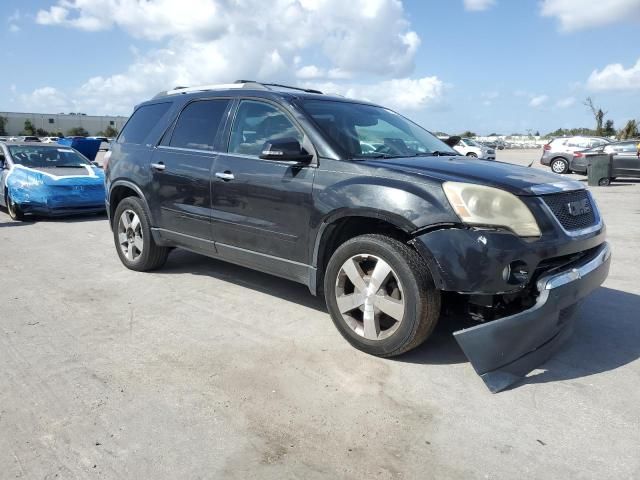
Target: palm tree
(630, 130)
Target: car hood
(88, 175)
(512, 178)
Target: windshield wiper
(377, 155)
(436, 153)
(70, 166)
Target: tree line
(30, 130)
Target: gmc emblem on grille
(579, 207)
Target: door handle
(226, 176)
(158, 166)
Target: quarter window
(198, 124)
(257, 123)
(143, 120)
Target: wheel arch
(121, 189)
(344, 225)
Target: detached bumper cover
(503, 351)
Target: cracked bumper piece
(505, 350)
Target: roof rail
(279, 85)
(236, 85)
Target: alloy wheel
(558, 166)
(369, 297)
(130, 235)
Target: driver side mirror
(285, 149)
(453, 141)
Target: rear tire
(604, 182)
(391, 306)
(559, 166)
(14, 210)
(133, 239)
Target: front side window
(257, 123)
(367, 131)
(198, 124)
(143, 120)
(628, 147)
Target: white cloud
(566, 102)
(45, 99)
(478, 5)
(217, 41)
(578, 14)
(402, 94)
(13, 28)
(538, 101)
(309, 72)
(615, 77)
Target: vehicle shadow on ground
(606, 336)
(6, 221)
(607, 333)
(182, 261)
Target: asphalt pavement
(208, 370)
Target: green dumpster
(599, 169)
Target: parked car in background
(365, 208)
(470, 148)
(625, 158)
(4, 139)
(104, 145)
(28, 138)
(558, 153)
(49, 139)
(48, 179)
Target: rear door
(626, 161)
(181, 166)
(261, 208)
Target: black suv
(365, 207)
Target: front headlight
(480, 205)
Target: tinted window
(257, 123)
(370, 131)
(198, 124)
(142, 122)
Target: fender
(135, 188)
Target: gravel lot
(208, 370)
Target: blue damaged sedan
(48, 179)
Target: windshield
(41, 156)
(366, 131)
(470, 142)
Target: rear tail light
(578, 154)
(547, 147)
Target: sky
(488, 66)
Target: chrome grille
(559, 204)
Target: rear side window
(143, 120)
(198, 124)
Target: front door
(182, 166)
(261, 208)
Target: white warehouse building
(61, 122)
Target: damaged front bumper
(502, 351)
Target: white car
(50, 139)
(471, 148)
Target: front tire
(14, 210)
(472, 155)
(133, 239)
(380, 295)
(559, 166)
